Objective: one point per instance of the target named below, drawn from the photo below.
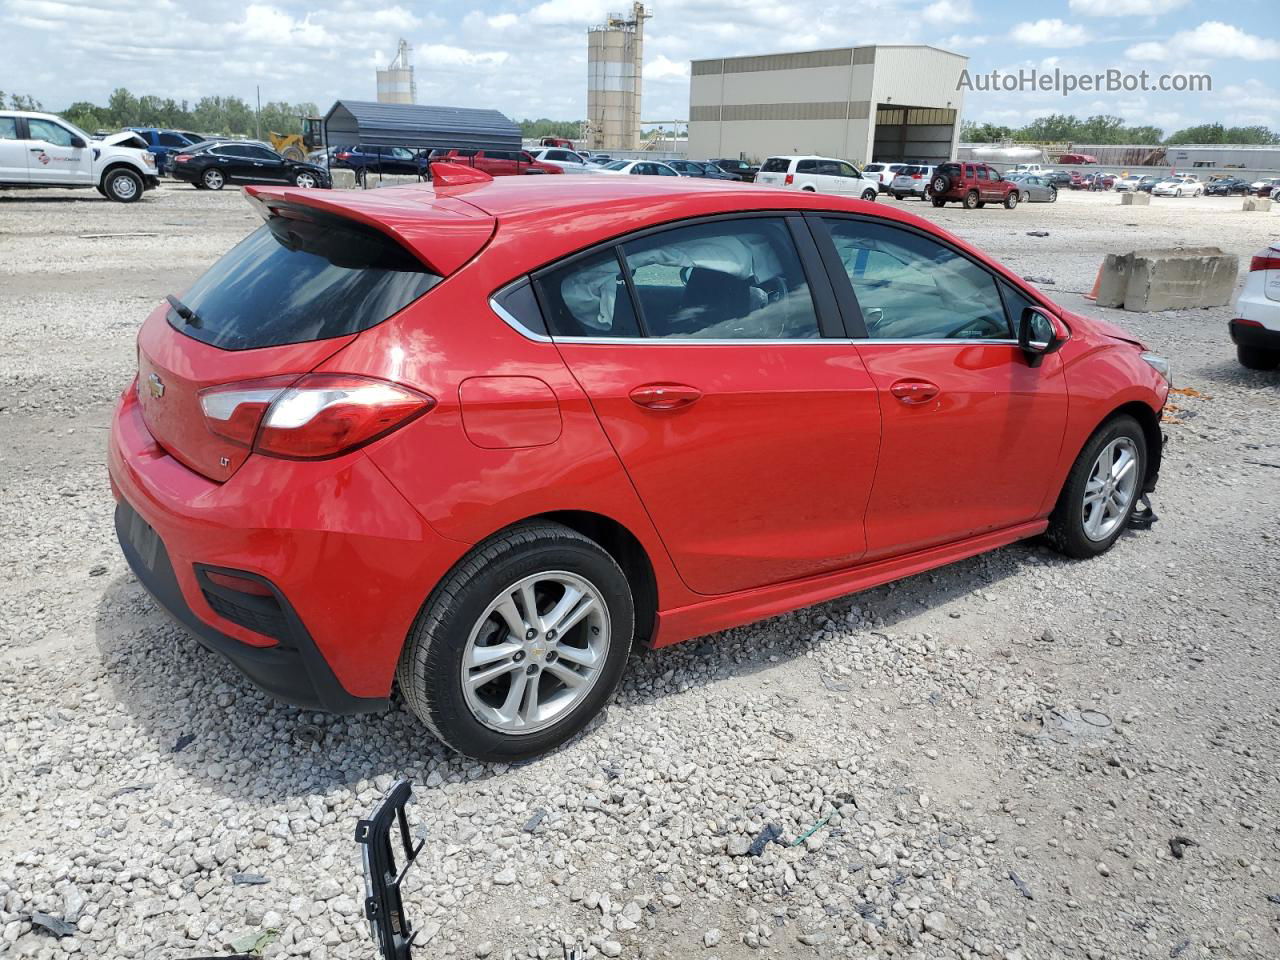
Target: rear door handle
(914, 391)
(665, 396)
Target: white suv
(882, 173)
(1256, 326)
(817, 175)
(40, 150)
(567, 160)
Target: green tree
(984, 132)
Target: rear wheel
(869, 195)
(971, 200)
(897, 196)
(941, 183)
(808, 190)
(521, 645)
(213, 179)
(1011, 199)
(1258, 358)
(122, 186)
(939, 202)
(1053, 196)
(1101, 490)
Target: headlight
(1160, 365)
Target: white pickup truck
(39, 150)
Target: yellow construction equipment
(296, 146)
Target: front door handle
(665, 396)
(914, 391)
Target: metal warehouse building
(885, 103)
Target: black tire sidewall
(1066, 522)
(208, 185)
(115, 175)
(971, 200)
(450, 617)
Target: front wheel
(869, 195)
(521, 645)
(305, 180)
(1101, 490)
(122, 186)
(1258, 358)
(1011, 200)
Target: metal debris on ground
(308, 733)
(1274, 897)
(1178, 950)
(812, 830)
(786, 736)
(1021, 885)
(768, 835)
(129, 788)
(54, 925)
(1178, 846)
(248, 879)
(1037, 233)
(532, 823)
(184, 741)
(1067, 725)
(1049, 281)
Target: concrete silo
(396, 83)
(615, 63)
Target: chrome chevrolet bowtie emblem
(156, 386)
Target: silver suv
(912, 181)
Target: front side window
(8, 128)
(617, 165)
(847, 170)
(913, 288)
(662, 170)
(735, 279)
(49, 132)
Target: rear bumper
(1248, 335)
(349, 561)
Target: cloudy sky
(528, 57)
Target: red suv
(973, 184)
(496, 163)
(481, 437)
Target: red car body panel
(871, 489)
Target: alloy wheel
(304, 180)
(536, 652)
(213, 179)
(1110, 490)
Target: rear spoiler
(443, 232)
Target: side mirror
(78, 142)
(1037, 336)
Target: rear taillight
(915, 176)
(1265, 261)
(182, 158)
(344, 155)
(311, 417)
(790, 179)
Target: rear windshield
(776, 165)
(294, 280)
(908, 171)
(873, 168)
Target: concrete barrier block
(372, 182)
(1114, 280)
(1180, 279)
(343, 179)
(1135, 198)
(1257, 204)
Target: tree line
(1103, 129)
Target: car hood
(125, 138)
(1102, 327)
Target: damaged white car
(40, 150)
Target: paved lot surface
(995, 756)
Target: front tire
(485, 667)
(305, 180)
(213, 179)
(1011, 200)
(1258, 358)
(1102, 489)
(122, 186)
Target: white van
(818, 175)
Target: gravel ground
(990, 760)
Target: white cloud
(577, 13)
(945, 11)
(1213, 39)
(960, 44)
(1124, 8)
(1049, 33)
(443, 55)
(502, 21)
(661, 68)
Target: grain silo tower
(615, 63)
(396, 83)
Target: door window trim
(825, 302)
(848, 300)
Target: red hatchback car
(480, 438)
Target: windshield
(295, 280)
(617, 165)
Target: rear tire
(213, 179)
(1053, 196)
(897, 196)
(941, 183)
(1258, 358)
(1068, 531)
(971, 200)
(123, 186)
(939, 202)
(869, 196)
(459, 619)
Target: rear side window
(294, 280)
(588, 298)
(729, 280)
(775, 165)
(910, 287)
